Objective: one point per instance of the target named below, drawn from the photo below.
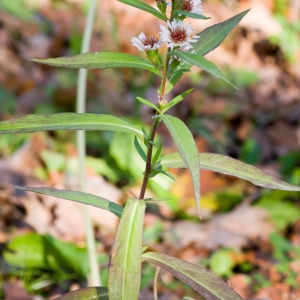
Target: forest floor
(248, 235)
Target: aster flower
(178, 36)
(193, 6)
(144, 43)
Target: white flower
(193, 6)
(144, 43)
(177, 35)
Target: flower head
(177, 35)
(144, 43)
(193, 6)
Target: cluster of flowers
(176, 36)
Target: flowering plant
(185, 48)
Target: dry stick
(155, 283)
(80, 108)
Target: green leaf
(157, 154)
(230, 166)
(148, 103)
(177, 99)
(66, 256)
(201, 280)
(34, 251)
(126, 256)
(139, 149)
(100, 60)
(176, 75)
(213, 36)
(187, 149)
(145, 7)
(26, 251)
(68, 121)
(90, 293)
(210, 38)
(203, 63)
(78, 196)
(189, 14)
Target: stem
(149, 158)
(153, 128)
(164, 80)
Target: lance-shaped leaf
(213, 36)
(126, 256)
(210, 38)
(177, 99)
(203, 63)
(78, 196)
(91, 293)
(148, 103)
(188, 14)
(205, 283)
(145, 7)
(230, 166)
(68, 121)
(100, 60)
(187, 149)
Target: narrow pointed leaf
(91, 293)
(145, 7)
(68, 121)
(126, 257)
(210, 38)
(187, 149)
(189, 14)
(148, 103)
(181, 69)
(157, 154)
(203, 63)
(100, 60)
(213, 36)
(139, 149)
(178, 99)
(205, 283)
(78, 196)
(230, 166)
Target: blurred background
(249, 236)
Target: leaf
(34, 251)
(177, 99)
(90, 293)
(139, 149)
(176, 75)
(203, 63)
(145, 7)
(68, 121)
(78, 196)
(205, 283)
(126, 257)
(187, 149)
(189, 14)
(26, 251)
(230, 166)
(146, 102)
(213, 36)
(210, 38)
(100, 60)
